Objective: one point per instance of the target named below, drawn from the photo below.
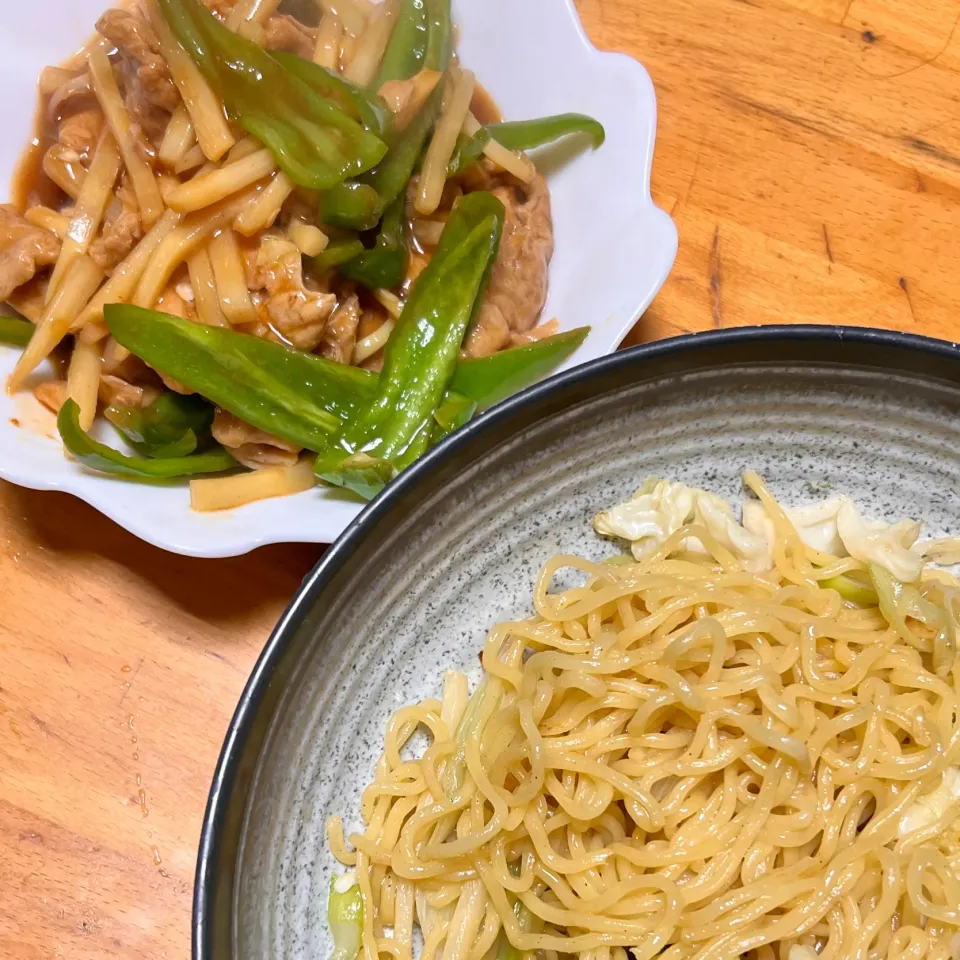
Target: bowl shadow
(207, 589)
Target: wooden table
(810, 155)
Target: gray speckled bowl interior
(416, 592)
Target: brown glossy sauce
(30, 186)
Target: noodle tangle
(680, 759)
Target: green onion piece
(345, 916)
(850, 590)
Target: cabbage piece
(756, 551)
(815, 523)
(926, 811)
(945, 550)
(654, 513)
(661, 507)
(889, 545)
(835, 526)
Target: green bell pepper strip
(389, 180)
(467, 151)
(291, 394)
(358, 103)
(352, 206)
(385, 265)
(98, 456)
(172, 426)
(523, 135)
(491, 379)
(439, 35)
(337, 252)
(187, 444)
(15, 331)
(530, 134)
(181, 21)
(315, 142)
(481, 383)
(454, 412)
(421, 356)
(407, 48)
(298, 396)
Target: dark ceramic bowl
(455, 544)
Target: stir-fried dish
(739, 740)
(293, 237)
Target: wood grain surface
(809, 152)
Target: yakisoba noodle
(680, 759)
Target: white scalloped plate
(614, 247)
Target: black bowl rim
(824, 345)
